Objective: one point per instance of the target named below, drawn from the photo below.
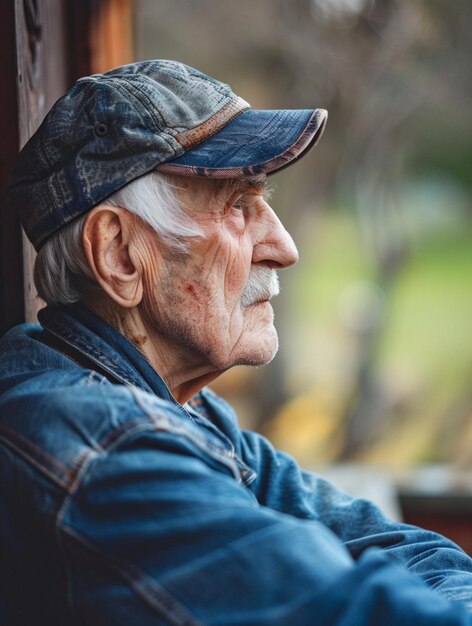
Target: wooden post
(102, 35)
(41, 79)
(45, 45)
(11, 263)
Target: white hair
(61, 271)
(262, 284)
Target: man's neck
(179, 369)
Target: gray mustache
(262, 284)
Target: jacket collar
(103, 346)
(100, 346)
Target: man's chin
(263, 359)
(261, 351)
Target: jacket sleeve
(160, 531)
(358, 523)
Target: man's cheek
(237, 273)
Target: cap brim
(254, 142)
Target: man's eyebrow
(258, 185)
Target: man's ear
(107, 241)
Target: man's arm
(358, 523)
(159, 531)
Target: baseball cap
(112, 128)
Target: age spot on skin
(190, 287)
(139, 340)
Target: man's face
(214, 301)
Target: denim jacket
(120, 506)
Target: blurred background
(375, 358)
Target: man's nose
(275, 247)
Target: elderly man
(128, 493)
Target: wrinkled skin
(190, 321)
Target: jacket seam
(154, 594)
(157, 423)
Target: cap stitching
(127, 88)
(122, 86)
(235, 106)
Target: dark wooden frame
(11, 254)
(45, 45)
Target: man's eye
(241, 203)
(238, 202)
